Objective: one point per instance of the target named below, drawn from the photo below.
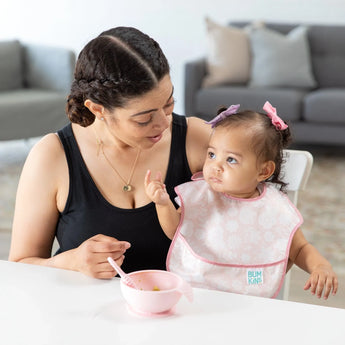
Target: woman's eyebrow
(151, 110)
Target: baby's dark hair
(268, 142)
(120, 64)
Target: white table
(40, 305)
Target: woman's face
(143, 120)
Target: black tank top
(88, 213)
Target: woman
(85, 184)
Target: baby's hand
(323, 278)
(155, 189)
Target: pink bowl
(158, 291)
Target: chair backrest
(295, 171)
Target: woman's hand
(91, 256)
(322, 279)
(155, 189)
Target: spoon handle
(128, 280)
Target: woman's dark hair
(119, 64)
(267, 142)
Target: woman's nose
(162, 120)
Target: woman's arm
(36, 212)
(305, 255)
(198, 135)
(42, 190)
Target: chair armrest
(47, 67)
(195, 72)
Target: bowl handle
(186, 290)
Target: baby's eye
(231, 160)
(211, 155)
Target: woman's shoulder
(198, 123)
(46, 155)
(45, 169)
(198, 130)
(47, 147)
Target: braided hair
(120, 64)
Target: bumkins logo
(255, 276)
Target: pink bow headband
(277, 122)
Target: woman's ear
(266, 170)
(96, 109)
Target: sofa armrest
(195, 72)
(47, 67)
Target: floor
(322, 205)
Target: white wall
(177, 25)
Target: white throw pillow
(281, 60)
(228, 54)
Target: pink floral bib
(231, 244)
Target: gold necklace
(127, 184)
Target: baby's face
(231, 165)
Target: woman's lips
(156, 138)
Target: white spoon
(127, 279)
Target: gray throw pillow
(11, 73)
(281, 60)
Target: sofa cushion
(228, 54)
(281, 60)
(288, 102)
(11, 72)
(316, 133)
(328, 54)
(31, 112)
(325, 106)
(48, 67)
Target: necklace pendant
(127, 188)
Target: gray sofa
(34, 83)
(316, 115)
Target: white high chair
(295, 171)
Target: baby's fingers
(147, 178)
(319, 283)
(161, 196)
(331, 283)
(307, 285)
(328, 287)
(335, 285)
(312, 284)
(319, 288)
(159, 177)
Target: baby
(236, 230)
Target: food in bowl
(158, 291)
